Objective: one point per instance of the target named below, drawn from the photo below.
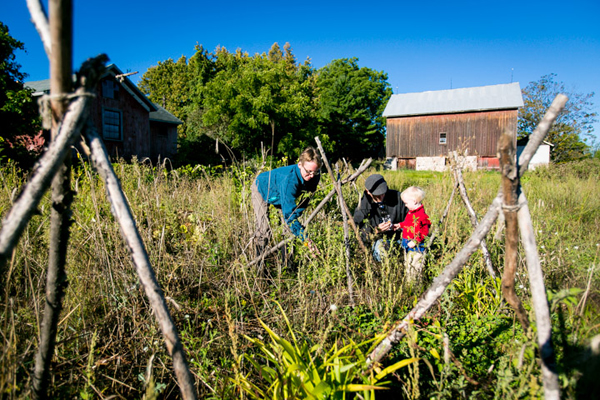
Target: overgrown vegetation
(197, 223)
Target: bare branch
(540, 301)
(363, 166)
(40, 20)
(338, 189)
(465, 198)
(15, 221)
(510, 185)
(439, 285)
(122, 212)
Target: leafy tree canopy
(271, 101)
(572, 128)
(19, 122)
(351, 104)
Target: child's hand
(412, 244)
(396, 227)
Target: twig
(338, 189)
(465, 197)
(318, 208)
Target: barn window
(443, 138)
(111, 124)
(110, 89)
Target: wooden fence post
(61, 83)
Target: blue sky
(433, 45)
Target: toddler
(414, 230)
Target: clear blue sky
(432, 45)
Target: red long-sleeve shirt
(416, 225)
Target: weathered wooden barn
(422, 128)
(130, 124)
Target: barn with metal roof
(422, 128)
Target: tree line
(246, 103)
(239, 105)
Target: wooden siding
(477, 132)
(135, 123)
(164, 140)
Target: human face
(411, 203)
(377, 199)
(308, 170)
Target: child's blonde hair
(413, 192)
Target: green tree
(266, 99)
(351, 104)
(168, 85)
(19, 122)
(573, 127)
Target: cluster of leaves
(297, 370)
(249, 103)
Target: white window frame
(443, 138)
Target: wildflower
(575, 247)
(540, 231)
(542, 247)
(521, 286)
(333, 307)
(187, 316)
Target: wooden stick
(349, 280)
(540, 302)
(340, 195)
(131, 236)
(510, 185)
(318, 208)
(536, 276)
(61, 83)
(40, 20)
(465, 197)
(439, 285)
(24, 207)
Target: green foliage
(351, 105)
(299, 370)
(197, 225)
(269, 101)
(572, 128)
(19, 122)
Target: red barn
(130, 124)
(422, 128)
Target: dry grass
(197, 227)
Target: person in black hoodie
(379, 214)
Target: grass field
(197, 224)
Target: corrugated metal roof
(482, 98)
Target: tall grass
(197, 225)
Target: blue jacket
(281, 187)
